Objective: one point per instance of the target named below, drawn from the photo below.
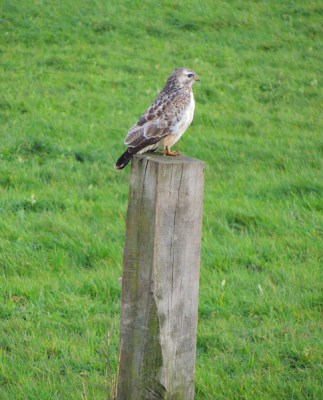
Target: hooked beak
(196, 78)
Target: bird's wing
(155, 123)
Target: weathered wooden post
(160, 279)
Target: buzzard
(165, 121)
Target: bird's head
(182, 77)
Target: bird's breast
(184, 116)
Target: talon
(170, 152)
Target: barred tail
(123, 160)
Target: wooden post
(160, 279)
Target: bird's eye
(190, 75)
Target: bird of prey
(165, 121)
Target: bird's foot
(169, 152)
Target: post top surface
(158, 157)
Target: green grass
(74, 77)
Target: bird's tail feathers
(123, 160)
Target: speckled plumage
(164, 122)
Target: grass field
(74, 77)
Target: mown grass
(74, 77)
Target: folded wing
(153, 125)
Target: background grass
(74, 77)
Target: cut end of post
(161, 158)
